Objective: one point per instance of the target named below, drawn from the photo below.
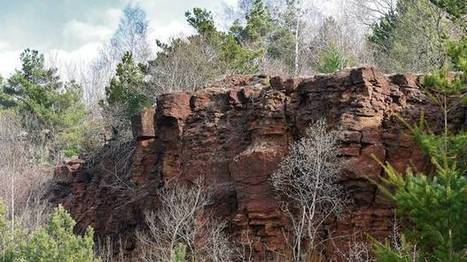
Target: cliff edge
(235, 133)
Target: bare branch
(307, 179)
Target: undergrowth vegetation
(47, 118)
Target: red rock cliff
(236, 132)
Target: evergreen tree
(382, 32)
(258, 24)
(330, 51)
(201, 20)
(131, 36)
(126, 88)
(456, 8)
(53, 242)
(56, 107)
(411, 37)
(235, 57)
(434, 205)
(331, 59)
(281, 40)
(57, 242)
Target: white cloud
(9, 60)
(100, 29)
(166, 32)
(84, 32)
(4, 45)
(112, 16)
(71, 64)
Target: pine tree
(201, 20)
(230, 52)
(434, 205)
(36, 92)
(411, 37)
(456, 8)
(53, 242)
(258, 24)
(57, 242)
(126, 88)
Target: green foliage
(281, 46)
(433, 145)
(411, 37)
(201, 20)
(230, 52)
(405, 252)
(257, 35)
(239, 59)
(383, 31)
(455, 8)
(457, 51)
(53, 242)
(179, 254)
(2, 217)
(331, 60)
(186, 64)
(281, 40)
(126, 87)
(36, 92)
(434, 207)
(258, 23)
(329, 51)
(252, 39)
(80, 138)
(57, 242)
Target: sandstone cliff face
(234, 135)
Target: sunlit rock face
(234, 134)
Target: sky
(71, 31)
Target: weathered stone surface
(143, 125)
(234, 135)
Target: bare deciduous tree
(130, 36)
(109, 250)
(308, 180)
(187, 64)
(183, 219)
(23, 180)
(368, 12)
(358, 252)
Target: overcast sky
(74, 30)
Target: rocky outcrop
(235, 133)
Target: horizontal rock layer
(235, 133)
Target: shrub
(52, 242)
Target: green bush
(126, 88)
(179, 254)
(331, 60)
(52, 242)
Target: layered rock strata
(235, 133)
